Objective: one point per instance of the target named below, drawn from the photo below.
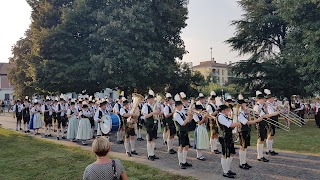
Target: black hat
(61, 99)
(125, 102)
(103, 103)
(222, 107)
(72, 103)
(85, 106)
(198, 106)
(47, 100)
(177, 103)
(259, 95)
(201, 96)
(18, 100)
(90, 102)
(36, 103)
(241, 101)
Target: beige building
(211, 69)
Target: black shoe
(217, 152)
(201, 158)
(58, 138)
(28, 131)
(121, 142)
(171, 151)
(45, 135)
(155, 157)
(49, 135)
(138, 139)
(228, 175)
(84, 144)
(263, 159)
(55, 130)
(243, 166)
(151, 158)
(231, 173)
(38, 133)
(118, 142)
(129, 154)
(275, 153)
(187, 164)
(141, 139)
(25, 131)
(21, 129)
(165, 143)
(134, 152)
(190, 146)
(64, 137)
(246, 164)
(182, 166)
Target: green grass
(301, 140)
(25, 157)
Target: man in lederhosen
(226, 140)
(46, 108)
(17, 109)
(151, 125)
(116, 110)
(26, 114)
(212, 109)
(102, 111)
(62, 118)
(170, 127)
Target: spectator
(104, 168)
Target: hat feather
(177, 97)
(151, 92)
(240, 97)
(183, 95)
(212, 93)
(258, 93)
(168, 95)
(267, 91)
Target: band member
(317, 112)
(201, 138)
(17, 109)
(244, 132)
(37, 122)
(181, 122)
(129, 128)
(92, 111)
(300, 111)
(271, 127)
(100, 113)
(116, 110)
(26, 114)
(164, 123)
(151, 125)
(54, 115)
(45, 109)
(212, 109)
(286, 107)
(61, 115)
(73, 122)
(84, 129)
(140, 123)
(201, 100)
(170, 127)
(226, 140)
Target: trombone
(292, 117)
(270, 121)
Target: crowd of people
(212, 119)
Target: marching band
(214, 122)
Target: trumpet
(270, 121)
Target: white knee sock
(215, 143)
(165, 137)
(184, 155)
(139, 133)
(245, 156)
(49, 130)
(169, 144)
(229, 163)
(126, 146)
(241, 157)
(180, 158)
(172, 143)
(133, 145)
(149, 149)
(199, 153)
(271, 144)
(45, 130)
(118, 136)
(268, 145)
(153, 145)
(224, 165)
(19, 125)
(58, 132)
(62, 131)
(27, 126)
(260, 150)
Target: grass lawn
(301, 140)
(25, 157)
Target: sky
(208, 26)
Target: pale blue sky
(208, 26)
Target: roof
(211, 64)
(5, 68)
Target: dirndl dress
(72, 128)
(201, 137)
(84, 129)
(31, 122)
(37, 121)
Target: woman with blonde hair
(104, 167)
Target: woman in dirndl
(201, 137)
(37, 122)
(73, 122)
(84, 129)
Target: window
(218, 72)
(222, 80)
(222, 73)
(219, 80)
(7, 97)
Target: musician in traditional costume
(317, 112)
(92, 112)
(62, 108)
(181, 122)
(140, 123)
(54, 115)
(164, 124)
(100, 114)
(46, 109)
(212, 109)
(84, 128)
(116, 110)
(26, 114)
(300, 110)
(129, 128)
(201, 138)
(17, 109)
(151, 125)
(271, 127)
(170, 127)
(73, 122)
(37, 122)
(226, 140)
(244, 131)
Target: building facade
(217, 72)
(6, 89)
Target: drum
(115, 122)
(110, 124)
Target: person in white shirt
(26, 114)
(17, 109)
(62, 118)
(226, 140)
(201, 138)
(73, 122)
(116, 110)
(212, 109)
(151, 125)
(140, 123)
(244, 131)
(54, 115)
(181, 121)
(317, 113)
(170, 127)
(84, 129)
(129, 120)
(37, 122)
(101, 112)
(46, 109)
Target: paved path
(285, 166)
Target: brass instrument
(136, 99)
(235, 113)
